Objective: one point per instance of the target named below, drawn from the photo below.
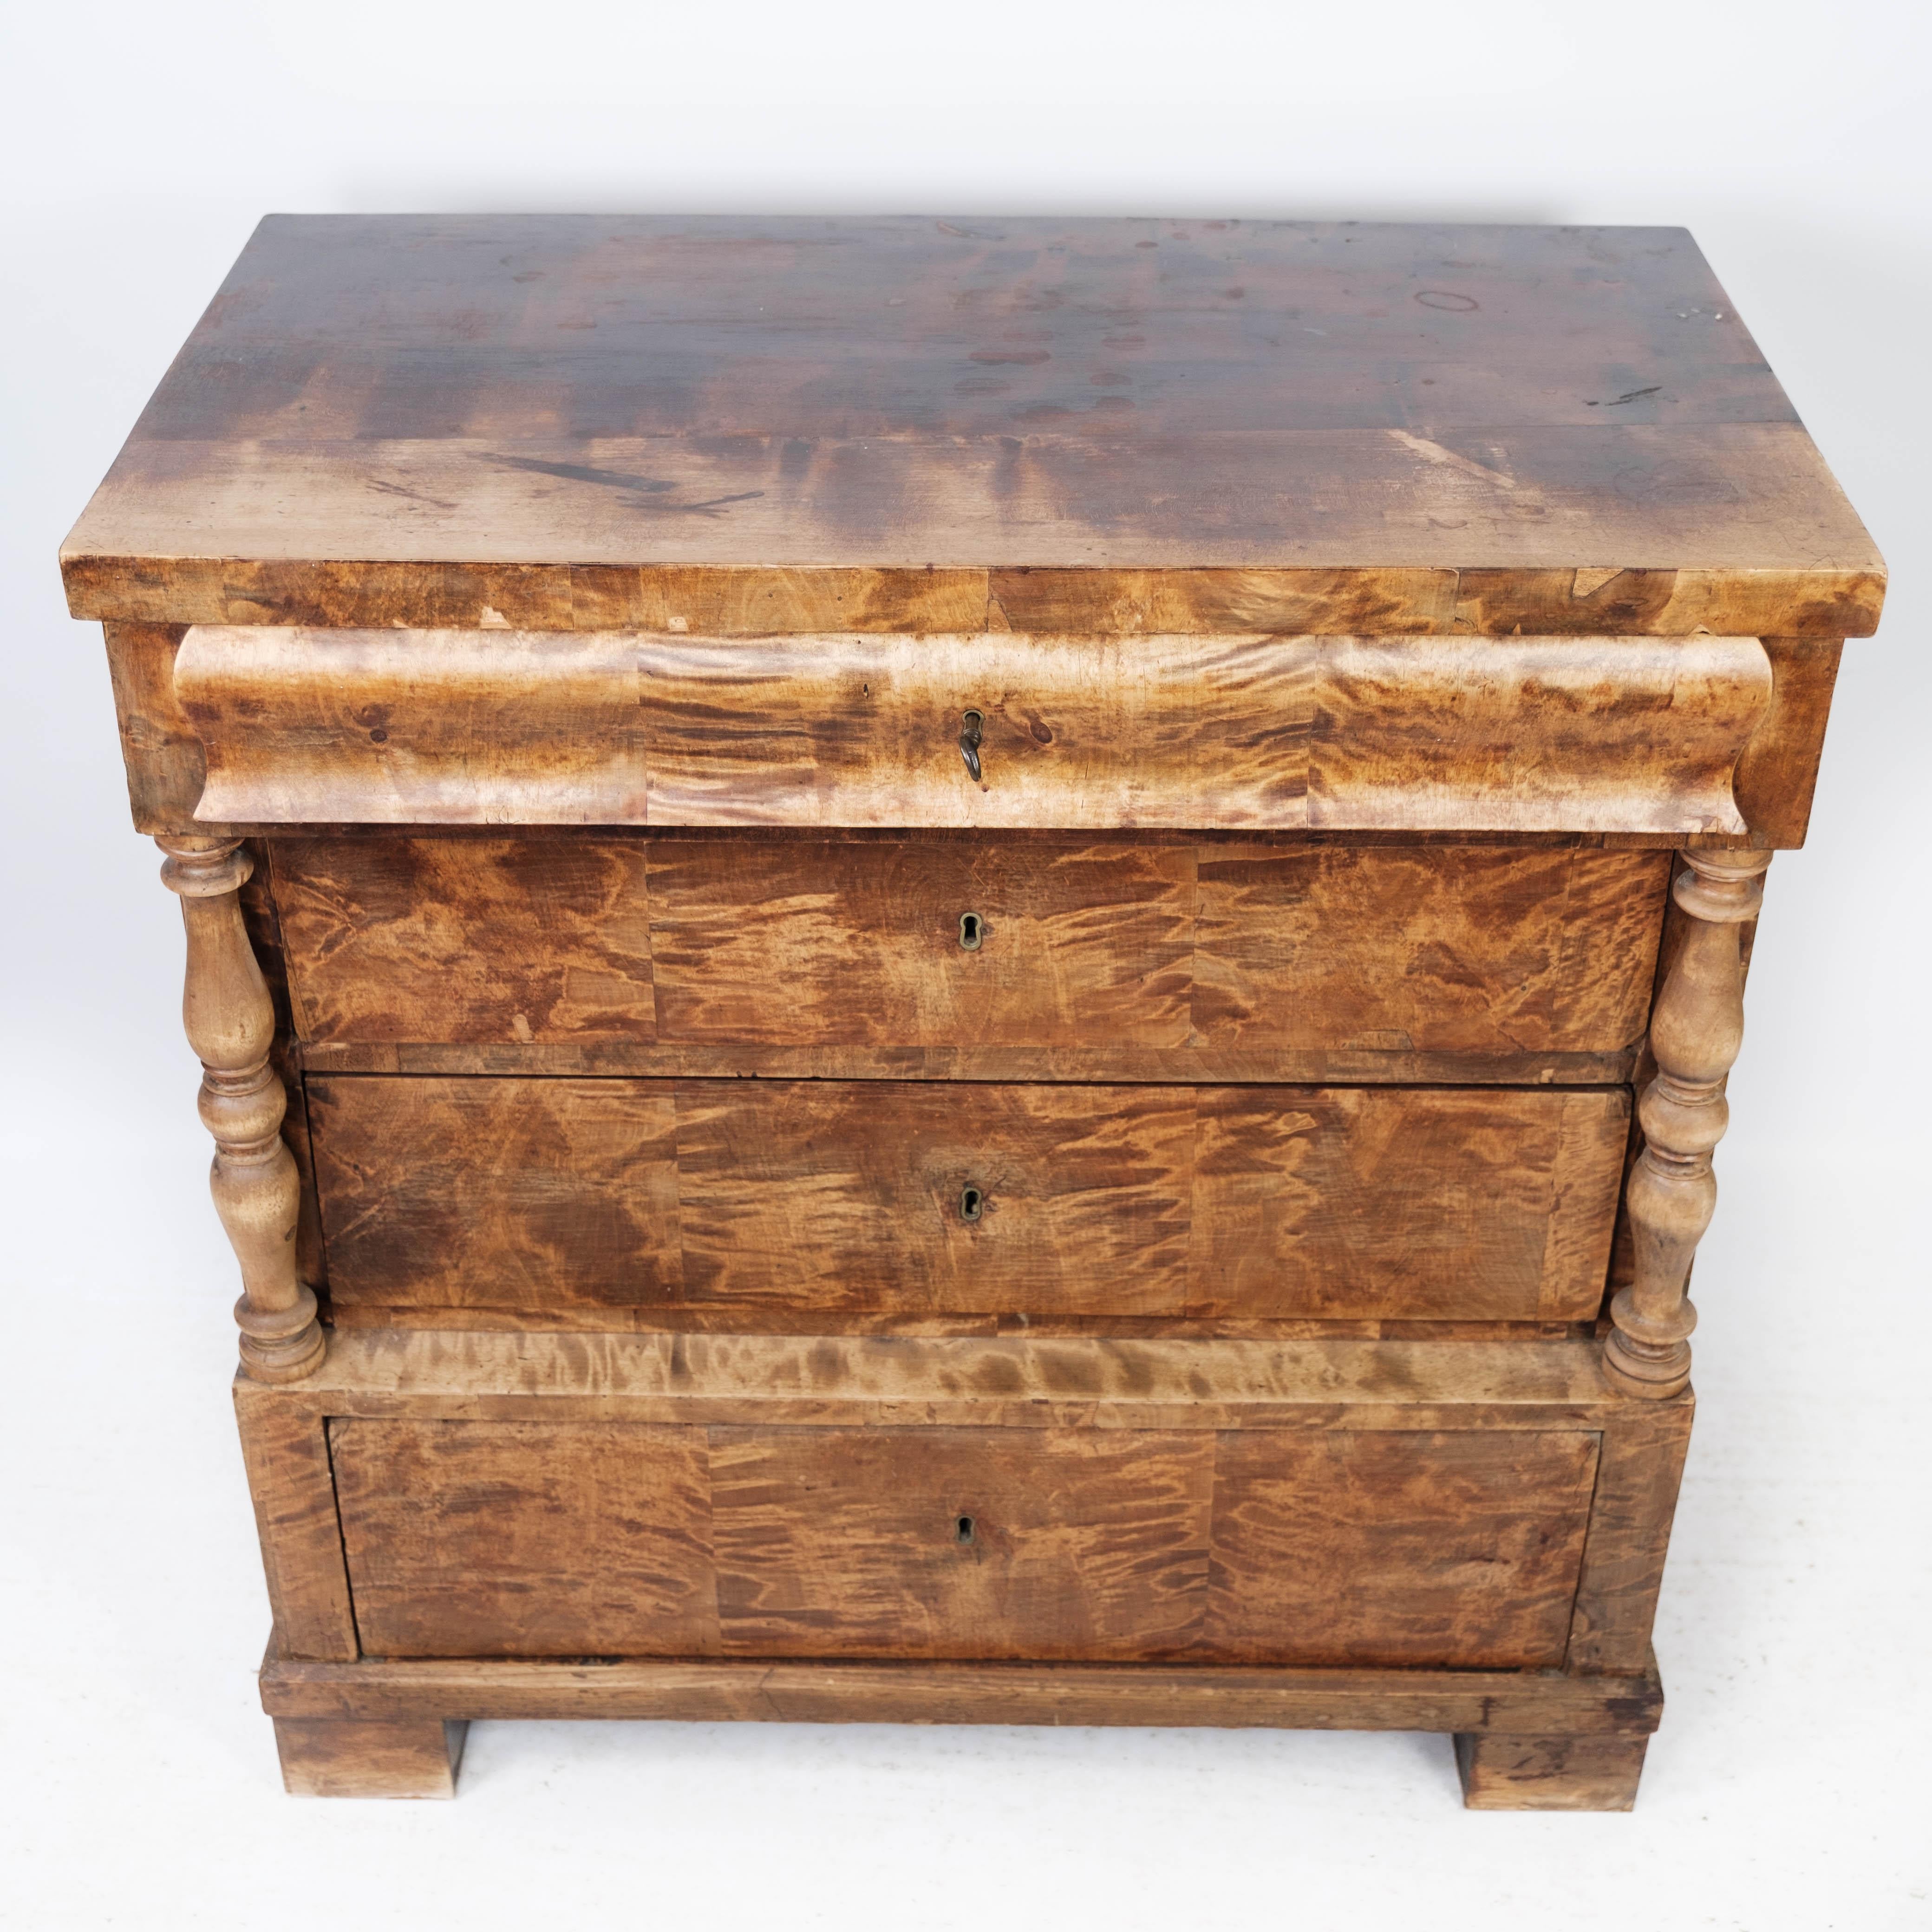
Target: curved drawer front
(1310, 1545)
(764, 1201)
(1629, 734)
(1230, 956)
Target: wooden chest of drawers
(970, 972)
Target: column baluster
(1695, 1030)
(230, 1022)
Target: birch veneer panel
(1225, 951)
(736, 426)
(967, 971)
(492, 1539)
(1274, 733)
(795, 1199)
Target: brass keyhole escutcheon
(972, 1203)
(972, 931)
(972, 731)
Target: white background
(1788, 1787)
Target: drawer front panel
(1524, 734)
(1161, 945)
(1339, 1546)
(931, 1199)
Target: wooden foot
(349, 1757)
(1590, 1772)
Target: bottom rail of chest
(1464, 1537)
(1523, 1740)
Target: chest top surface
(1118, 425)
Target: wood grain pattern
(1335, 733)
(1010, 1382)
(1347, 1547)
(787, 424)
(1432, 949)
(286, 1452)
(1117, 1065)
(333, 1757)
(762, 943)
(1502, 1772)
(256, 902)
(1180, 1302)
(1778, 772)
(1829, 602)
(1380, 601)
(1361, 1201)
(488, 1539)
(961, 1542)
(1161, 944)
(1078, 731)
(305, 726)
(1463, 732)
(166, 765)
(804, 1195)
(517, 939)
(1637, 1480)
(700, 1319)
(229, 1019)
(523, 727)
(1468, 1204)
(524, 1192)
(1697, 1029)
(492, 1539)
(1538, 1703)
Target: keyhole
(972, 931)
(963, 1529)
(972, 1204)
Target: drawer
(1526, 734)
(1339, 1546)
(764, 1199)
(1228, 948)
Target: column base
(1651, 1374)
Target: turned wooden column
(1695, 1032)
(231, 1024)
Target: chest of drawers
(962, 972)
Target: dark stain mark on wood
(616, 479)
(414, 496)
(580, 472)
